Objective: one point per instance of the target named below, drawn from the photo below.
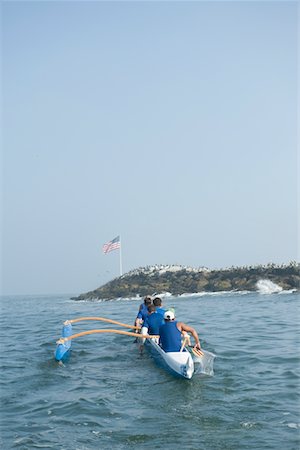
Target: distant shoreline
(178, 280)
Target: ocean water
(108, 396)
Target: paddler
(153, 321)
(158, 303)
(170, 333)
(143, 311)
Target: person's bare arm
(183, 327)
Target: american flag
(112, 245)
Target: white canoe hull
(178, 363)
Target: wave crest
(267, 287)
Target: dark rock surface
(183, 280)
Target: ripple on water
(108, 396)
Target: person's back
(143, 311)
(153, 321)
(170, 333)
(170, 337)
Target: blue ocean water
(108, 396)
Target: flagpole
(120, 258)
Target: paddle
(84, 333)
(185, 341)
(197, 352)
(102, 319)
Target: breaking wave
(268, 287)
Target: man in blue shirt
(158, 303)
(143, 311)
(170, 333)
(153, 321)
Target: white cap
(169, 315)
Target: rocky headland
(179, 280)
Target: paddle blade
(197, 352)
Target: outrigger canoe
(182, 364)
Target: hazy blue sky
(173, 124)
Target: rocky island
(179, 280)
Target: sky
(171, 124)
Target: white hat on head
(169, 315)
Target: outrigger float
(182, 364)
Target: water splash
(267, 287)
(204, 364)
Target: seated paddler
(152, 322)
(171, 333)
(143, 311)
(157, 302)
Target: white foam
(267, 287)
(293, 425)
(248, 424)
